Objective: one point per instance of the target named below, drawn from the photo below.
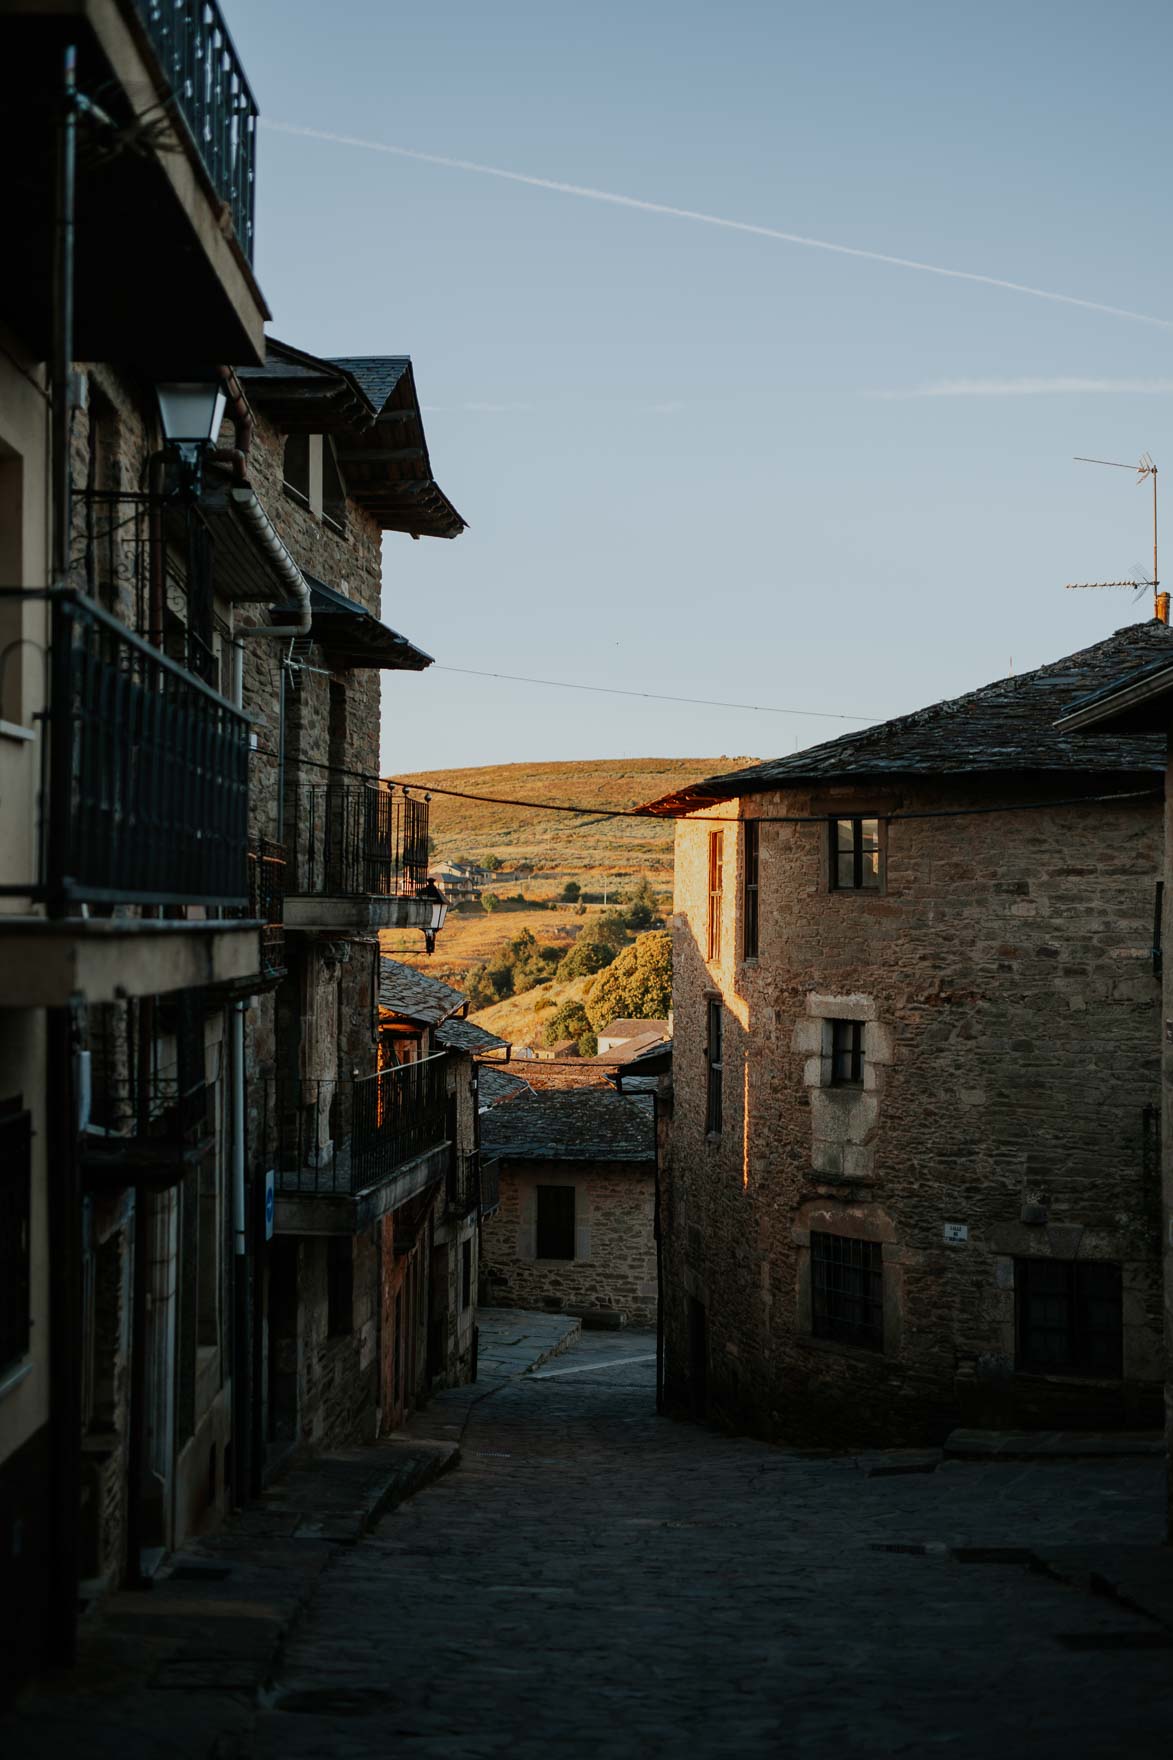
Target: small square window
(855, 855)
(846, 1054)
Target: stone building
(125, 934)
(914, 1166)
(1140, 703)
(577, 1181)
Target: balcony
(347, 1151)
(490, 1186)
(143, 803)
(358, 859)
(165, 184)
(463, 1185)
(147, 1119)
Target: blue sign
(270, 1202)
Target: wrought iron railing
(341, 1137)
(462, 1193)
(346, 839)
(266, 901)
(146, 796)
(212, 95)
(147, 1086)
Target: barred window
(855, 855)
(1069, 1316)
(716, 889)
(847, 1290)
(750, 902)
(15, 1182)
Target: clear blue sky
(677, 445)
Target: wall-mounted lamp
(431, 892)
(191, 413)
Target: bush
(641, 905)
(489, 901)
(637, 985)
(571, 892)
(570, 1022)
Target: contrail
(618, 201)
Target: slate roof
(571, 1124)
(1003, 727)
(352, 635)
(415, 996)
(495, 1084)
(377, 374)
(625, 1029)
(467, 1036)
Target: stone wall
(1003, 983)
(614, 1268)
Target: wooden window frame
(750, 886)
(716, 892)
(715, 1067)
(856, 852)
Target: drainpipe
(244, 499)
(241, 1343)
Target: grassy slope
(517, 1020)
(553, 840)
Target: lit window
(716, 888)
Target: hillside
(553, 840)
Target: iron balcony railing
(212, 96)
(462, 1192)
(145, 799)
(341, 1137)
(346, 839)
(266, 902)
(147, 1091)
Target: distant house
(574, 1231)
(627, 1036)
(460, 882)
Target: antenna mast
(1145, 468)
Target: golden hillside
(553, 840)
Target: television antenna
(1140, 581)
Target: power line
(564, 684)
(601, 813)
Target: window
(333, 488)
(16, 1140)
(855, 855)
(716, 886)
(847, 1290)
(297, 467)
(1069, 1316)
(339, 1285)
(555, 1233)
(846, 1054)
(750, 910)
(714, 1056)
(466, 1275)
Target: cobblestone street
(594, 1580)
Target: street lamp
(439, 905)
(191, 412)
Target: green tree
(489, 901)
(491, 863)
(637, 985)
(641, 909)
(585, 958)
(570, 1022)
(570, 892)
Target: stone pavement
(596, 1581)
(177, 1669)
